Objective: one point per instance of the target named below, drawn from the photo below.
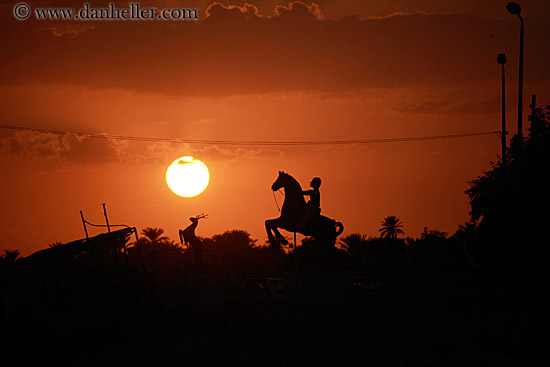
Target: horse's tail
(340, 229)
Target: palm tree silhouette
(153, 236)
(10, 256)
(153, 239)
(467, 230)
(354, 244)
(413, 242)
(391, 227)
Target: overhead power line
(246, 142)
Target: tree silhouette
(354, 244)
(356, 247)
(233, 251)
(466, 231)
(153, 236)
(413, 242)
(391, 227)
(151, 244)
(234, 241)
(171, 244)
(55, 244)
(432, 235)
(10, 256)
(511, 200)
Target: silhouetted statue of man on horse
(297, 216)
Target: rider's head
(315, 182)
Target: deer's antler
(201, 216)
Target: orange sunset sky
(258, 71)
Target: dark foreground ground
(317, 320)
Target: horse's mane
(294, 181)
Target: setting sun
(187, 177)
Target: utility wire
(247, 142)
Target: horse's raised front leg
(271, 226)
(280, 237)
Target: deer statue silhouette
(188, 237)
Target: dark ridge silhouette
(292, 215)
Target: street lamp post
(501, 59)
(515, 9)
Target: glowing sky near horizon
(303, 71)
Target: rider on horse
(313, 206)
(322, 228)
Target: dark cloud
(63, 148)
(488, 105)
(237, 50)
(218, 153)
(81, 150)
(450, 106)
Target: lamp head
(501, 58)
(513, 8)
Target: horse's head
(280, 181)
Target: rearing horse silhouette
(322, 228)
